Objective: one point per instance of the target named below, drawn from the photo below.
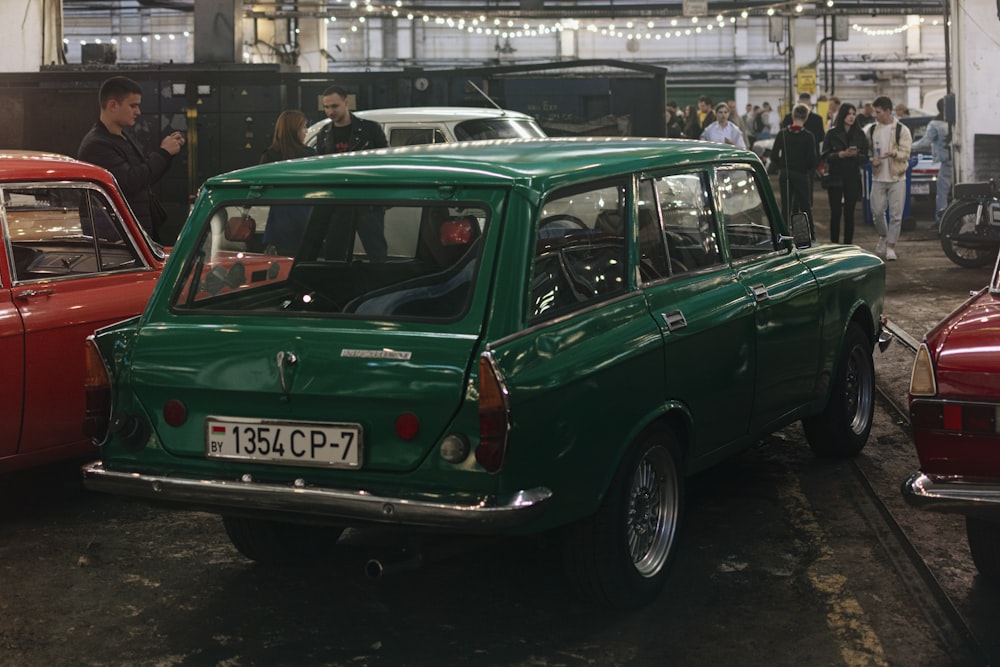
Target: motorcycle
(970, 225)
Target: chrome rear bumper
(486, 515)
(953, 495)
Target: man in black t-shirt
(346, 133)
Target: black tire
(842, 429)
(278, 543)
(984, 543)
(958, 219)
(620, 556)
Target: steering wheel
(558, 225)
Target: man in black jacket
(346, 133)
(794, 154)
(814, 123)
(107, 145)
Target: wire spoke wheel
(859, 394)
(653, 510)
(963, 241)
(621, 555)
(842, 428)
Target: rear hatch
(287, 384)
(323, 334)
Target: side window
(100, 220)
(64, 231)
(414, 136)
(688, 221)
(748, 227)
(580, 250)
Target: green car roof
(546, 163)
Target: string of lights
(511, 27)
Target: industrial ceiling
(520, 8)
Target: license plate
(285, 443)
(920, 188)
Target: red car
(72, 259)
(955, 414)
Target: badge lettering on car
(397, 355)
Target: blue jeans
(943, 189)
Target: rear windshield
(402, 261)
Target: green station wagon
(497, 337)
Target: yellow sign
(807, 80)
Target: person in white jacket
(722, 130)
(772, 119)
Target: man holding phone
(108, 146)
(889, 146)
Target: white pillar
(741, 49)
(913, 49)
(312, 45)
(975, 32)
(567, 40)
(804, 39)
(34, 35)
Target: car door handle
(28, 293)
(674, 320)
(759, 293)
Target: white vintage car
(436, 125)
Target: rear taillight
(97, 386)
(494, 415)
(969, 418)
(922, 381)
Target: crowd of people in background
(761, 121)
(845, 143)
(803, 147)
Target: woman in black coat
(845, 150)
(286, 224)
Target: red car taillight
(971, 418)
(97, 386)
(494, 416)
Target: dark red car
(955, 414)
(72, 259)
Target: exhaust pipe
(418, 553)
(376, 568)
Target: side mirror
(801, 230)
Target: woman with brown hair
(692, 124)
(289, 138)
(285, 224)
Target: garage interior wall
(898, 55)
(902, 56)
